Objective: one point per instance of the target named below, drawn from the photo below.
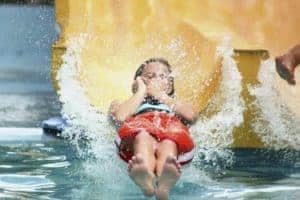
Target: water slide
(120, 35)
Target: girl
(152, 136)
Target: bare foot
(141, 176)
(285, 67)
(169, 176)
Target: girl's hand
(139, 86)
(155, 90)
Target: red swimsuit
(161, 126)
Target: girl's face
(158, 73)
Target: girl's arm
(126, 109)
(183, 109)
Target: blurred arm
(183, 109)
(121, 111)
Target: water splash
(83, 119)
(276, 125)
(213, 131)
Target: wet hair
(163, 61)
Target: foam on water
(276, 124)
(213, 132)
(234, 193)
(83, 118)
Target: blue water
(53, 170)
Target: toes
(132, 162)
(174, 161)
(139, 158)
(149, 192)
(136, 159)
(171, 159)
(162, 193)
(178, 165)
(133, 159)
(129, 165)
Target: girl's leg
(167, 168)
(165, 149)
(141, 166)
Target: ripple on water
(234, 193)
(53, 158)
(6, 166)
(57, 164)
(15, 182)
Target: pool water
(54, 170)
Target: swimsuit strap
(147, 107)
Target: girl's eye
(149, 76)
